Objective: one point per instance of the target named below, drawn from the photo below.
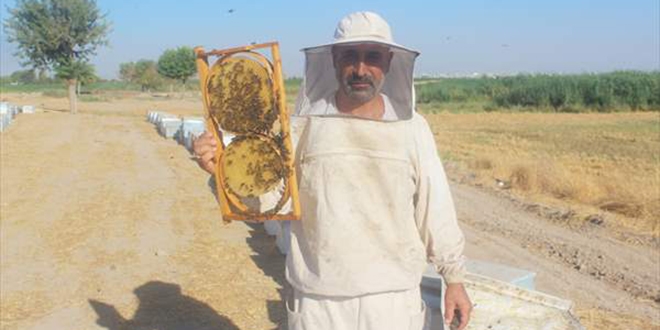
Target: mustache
(357, 79)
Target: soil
(106, 225)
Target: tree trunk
(73, 100)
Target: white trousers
(400, 310)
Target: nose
(361, 67)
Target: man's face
(361, 69)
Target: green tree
(23, 76)
(127, 71)
(59, 35)
(84, 73)
(177, 64)
(147, 74)
(143, 72)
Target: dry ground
(106, 225)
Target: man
(376, 206)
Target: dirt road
(101, 208)
(106, 225)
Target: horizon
(455, 39)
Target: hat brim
(360, 40)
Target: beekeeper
(376, 206)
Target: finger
(209, 167)
(208, 137)
(205, 149)
(449, 312)
(203, 140)
(207, 158)
(201, 143)
(465, 315)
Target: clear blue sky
(454, 36)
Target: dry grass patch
(601, 163)
(597, 319)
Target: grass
(452, 107)
(595, 319)
(98, 87)
(597, 162)
(33, 88)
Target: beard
(361, 94)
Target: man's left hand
(457, 304)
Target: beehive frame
(230, 206)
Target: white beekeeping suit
(376, 206)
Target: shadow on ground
(162, 307)
(269, 259)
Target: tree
(23, 76)
(177, 64)
(147, 74)
(144, 73)
(83, 72)
(59, 35)
(127, 71)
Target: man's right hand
(204, 149)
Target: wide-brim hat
(320, 81)
(362, 27)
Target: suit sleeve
(435, 213)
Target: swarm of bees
(252, 166)
(241, 101)
(241, 96)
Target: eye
(349, 56)
(374, 57)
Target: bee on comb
(244, 97)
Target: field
(603, 92)
(572, 197)
(593, 163)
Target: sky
(455, 37)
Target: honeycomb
(245, 103)
(252, 166)
(241, 97)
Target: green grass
(95, 87)
(32, 88)
(603, 92)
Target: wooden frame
(230, 207)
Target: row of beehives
(185, 130)
(8, 113)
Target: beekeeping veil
(320, 80)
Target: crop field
(596, 163)
(604, 92)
